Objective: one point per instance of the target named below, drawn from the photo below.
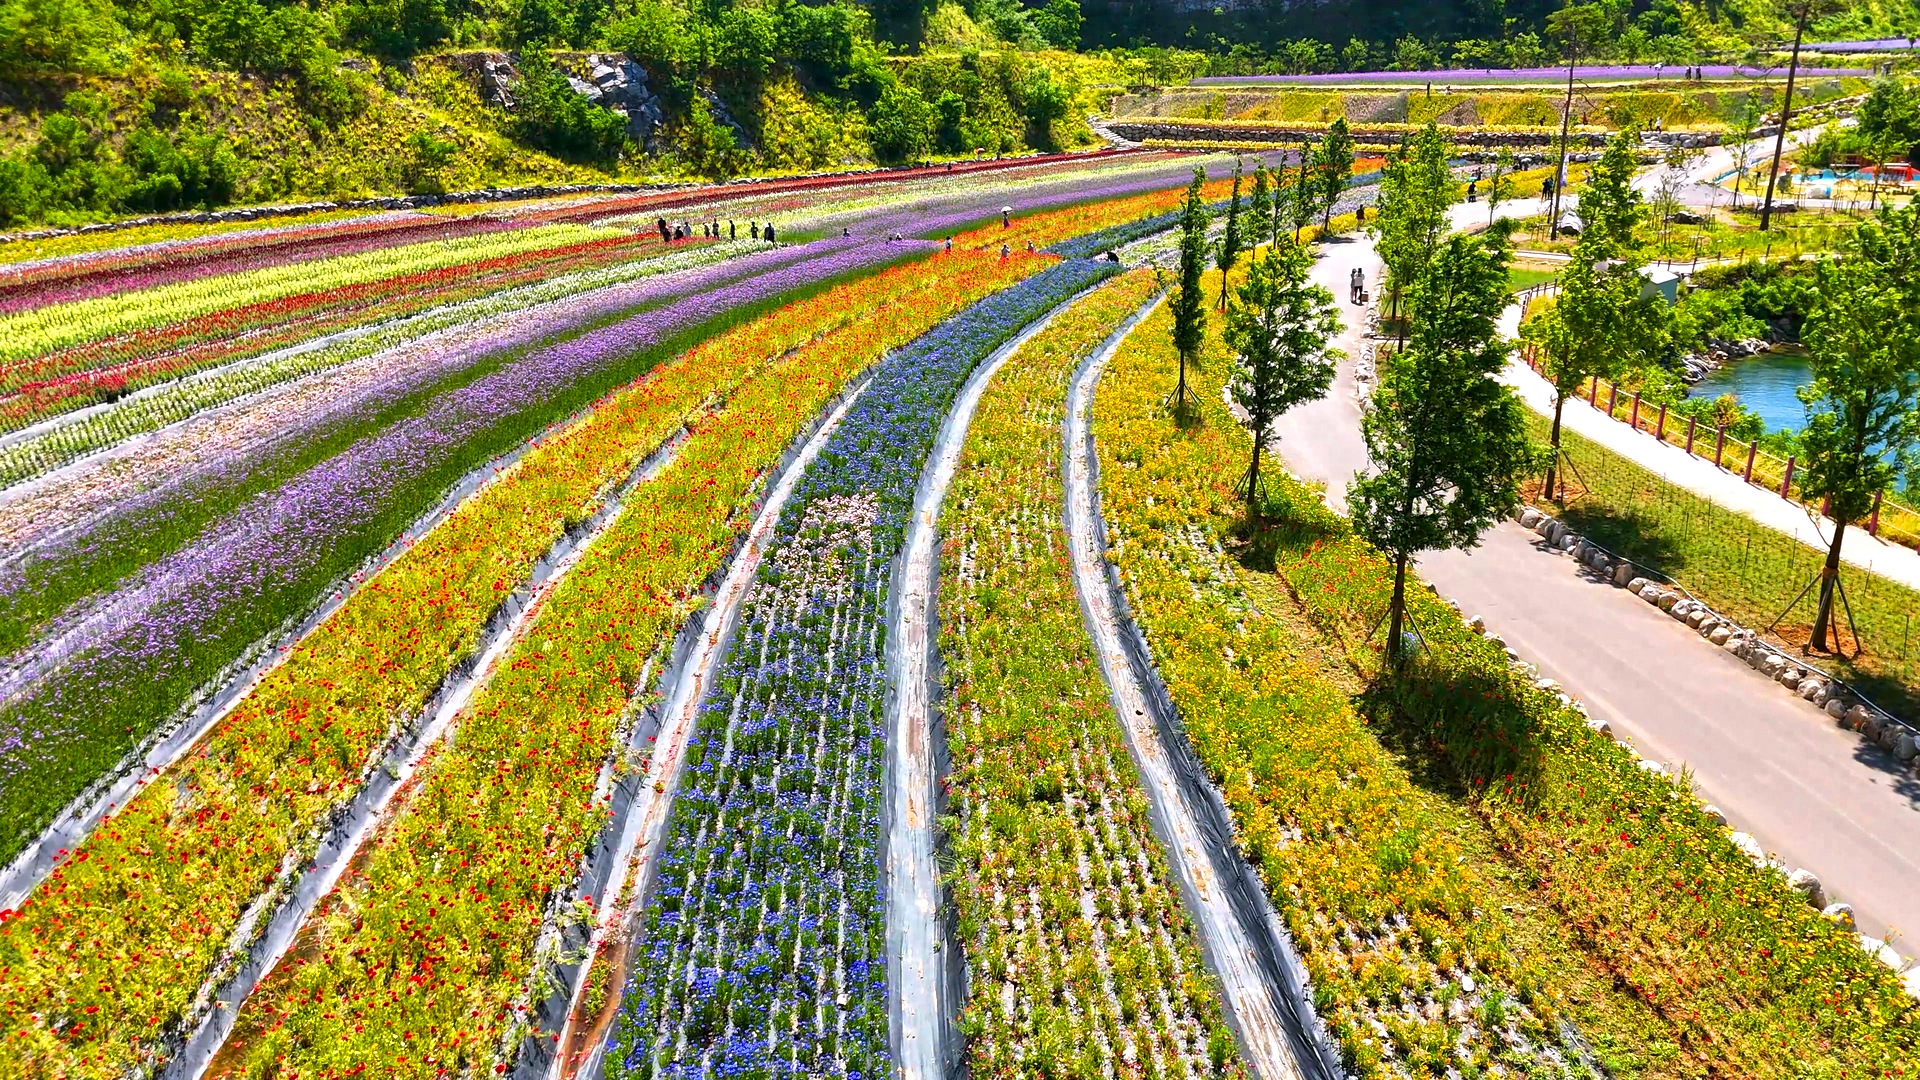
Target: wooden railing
(1890, 520)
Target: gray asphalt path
(1809, 792)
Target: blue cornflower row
(762, 950)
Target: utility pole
(1560, 173)
(1802, 12)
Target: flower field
(763, 944)
(500, 641)
(102, 681)
(520, 831)
(270, 781)
(1068, 913)
(1388, 885)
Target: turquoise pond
(1765, 384)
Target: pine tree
(1259, 221)
(1335, 166)
(1279, 325)
(1229, 252)
(1304, 192)
(1446, 438)
(1189, 302)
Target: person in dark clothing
(733, 229)
(756, 229)
(1546, 187)
(664, 234)
(769, 233)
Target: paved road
(1811, 793)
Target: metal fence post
(1593, 392)
(1786, 482)
(1753, 448)
(1693, 423)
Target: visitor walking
(769, 232)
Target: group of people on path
(671, 231)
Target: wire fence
(1757, 575)
(1890, 520)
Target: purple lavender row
(1532, 74)
(60, 551)
(135, 662)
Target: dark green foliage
(393, 28)
(903, 124)
(1189, 301)
(1059, 23)
(555, 119)
(73, 167)
(42, 36)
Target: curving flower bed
(1415, 968)
(763, 941)
(1077, 944)
(515, 797)
(103, 963)
(102, 681)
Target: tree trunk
(1553, 441)
(1397, 620)
(1253, 483)
(1180, 394)
(1829, 587)
(1786, 113)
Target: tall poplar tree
(1279, 324)
(1259, 222)
(1189, 301)
(1415, 190)
(1334, 165)
(1228, 254)
(1446, 438)
(1304, 192)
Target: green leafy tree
(1610, 208)
(1228, 254)
(1416, 188)
(1447, 440)
(903, 124)
(1059, 23)
(1045, 100)
(1303, 195)
(1745, 121)
(1499, 183)
(1279, 324)
(47, 36)
(1259, 218)
(1189, 299)
(1863, 406)
(554, 118)
(1603, 322)
(1580, 27)
(1334, 164)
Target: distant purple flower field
(1520, 75)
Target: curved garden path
(1812, 794)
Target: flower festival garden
(466, 644)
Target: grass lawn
(1527, 275)
(1742, 568)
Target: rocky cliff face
(610, 80)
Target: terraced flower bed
(1079, 949)
(166, 882)
(1387, 886)
(517, 794)
(763, 943)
